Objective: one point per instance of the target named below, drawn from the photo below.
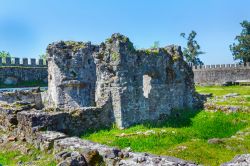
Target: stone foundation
(48, 131)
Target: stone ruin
(96, 86)
(134, 85)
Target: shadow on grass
(177, 119)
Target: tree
(156, 45)
(4, 54)
(43, 56)
(192, 51)
(241, 49)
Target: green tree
(43, 56)
(156, 45)
(192, 51)
(241, 49)
(4, 54)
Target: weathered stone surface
(240, 160)
(143, 159)
(73, 122)
(23, 96)
(11, 75)
(230, 95)
(45, 140)
(220, 75)
(140, 85)
(72, 74)
(215, 141)
(10, 81)
(29, 122)
(73, 158)
(113, 156)
(8, 113)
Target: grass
(11, 155)
(39, 83)
(223, 90)
(219, 91)
(186, 133)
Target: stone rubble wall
(72, 74)
(121, 72)
(23, 96)
(28, 113)
(142, 85)
(41, 129)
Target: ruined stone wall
(72, 74)
(13, 71)
(143, 84)
(140, 85)
(219, 74)
(52, 132)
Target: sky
(28, 26)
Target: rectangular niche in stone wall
(146, 85)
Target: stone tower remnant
(139, 85)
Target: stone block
(40, 62)
(17, 61)
(25, 61)
(33, 62)
(8, 60)
(45, 139)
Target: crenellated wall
(219, 74)
(14, 70)
(18, 70)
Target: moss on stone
(176, 57)
(152, 51)
(75, 46)
(114, 56)
(109, 40)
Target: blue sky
(28, 26)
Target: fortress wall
(219, 74)
(13, 70)
(18, 70)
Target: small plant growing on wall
(114, 56)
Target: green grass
(219, 91)
(194, 135)
(223, 90)
(185, 134)
(25, 84)
(10, 156)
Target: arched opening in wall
(146, 85)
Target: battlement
(221, 66)
(25, 62)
